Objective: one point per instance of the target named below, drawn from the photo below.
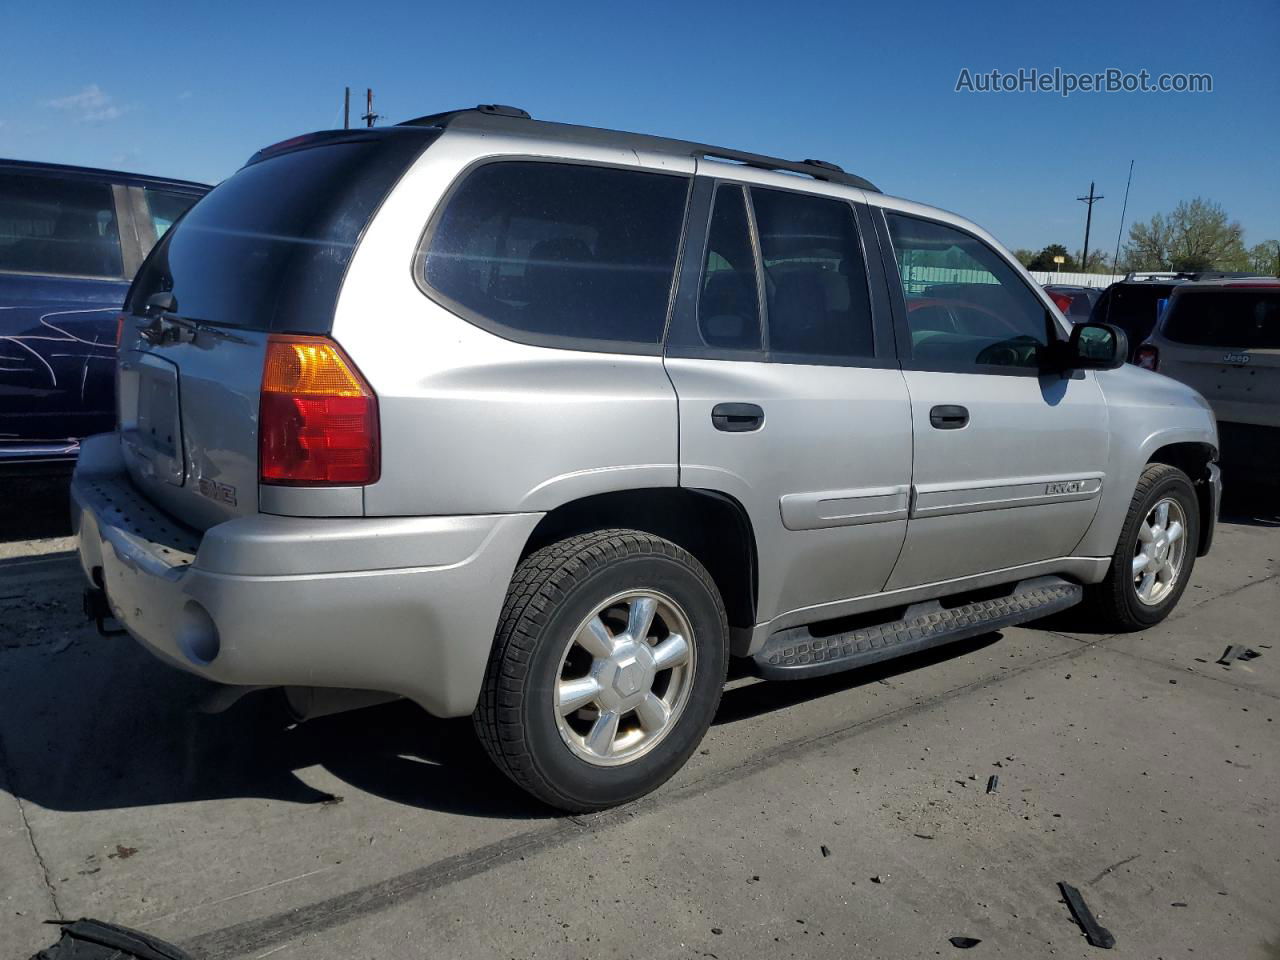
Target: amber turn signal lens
(318, 418)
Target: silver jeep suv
(543, 423)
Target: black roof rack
(498, 117)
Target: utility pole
(1090, 200)
(369, 115)
(346, 109)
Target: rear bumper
(403, 605)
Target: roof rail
(494, 116)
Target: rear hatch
(264, 253)
(1133, 308)
(1225, 342)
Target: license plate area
(151, 417)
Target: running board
(796, 653)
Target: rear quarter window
(559, 254)
(1248, 319)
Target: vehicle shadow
(91, 723)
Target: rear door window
(1241, 319)
(815, 277)
(559, 254)
(728, 301)
(56, 226)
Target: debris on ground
(879, 879)
(965, 943)
(1094, 932)
(96, 940)
(993, 781)
(122, 852)
(1237, 651)
(826, 852)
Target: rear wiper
(171, 328)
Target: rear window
(1132, 307)
(56, 226)
(268, 248)
(559, 254)
(1248, 319)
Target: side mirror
(1097, 346)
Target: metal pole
(1115, 263)
(346, 109)
(1090, 200)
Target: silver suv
(543, 423)
(1222, 337)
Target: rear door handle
(737, 417)
(949, 416)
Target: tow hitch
(97, 609)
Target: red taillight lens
(1147, 357)
(120, 328)
(318, 419)
(1063, 300)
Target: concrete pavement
(1133, 767)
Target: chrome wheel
(624, 678)
(1160, 551)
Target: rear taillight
(318, 419)
(1062, 300)
(1147, 357)
(120, 328)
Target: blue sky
(192, 90)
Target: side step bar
(796, 653)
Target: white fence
(1077, 279)
(920, 277)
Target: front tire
(606, 669)
(1154, 556)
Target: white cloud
(92, 104)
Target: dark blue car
(71, 239)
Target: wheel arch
(1193, 458)
(712, 526)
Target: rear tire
(1154, 556)
(606, 670)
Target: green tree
(1196, 235)
(1264, 258)
(1099, 262)
(1044, 259)
(1024, 256)
(1148, 246)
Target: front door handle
(948, 416)
(737, 417)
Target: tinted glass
(967, 309)
(815, 279)
(1132, 308)
(54, 226)
(166, 207)
(561, 250)
(268, 248)
(1248, 319)
(728, 303)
